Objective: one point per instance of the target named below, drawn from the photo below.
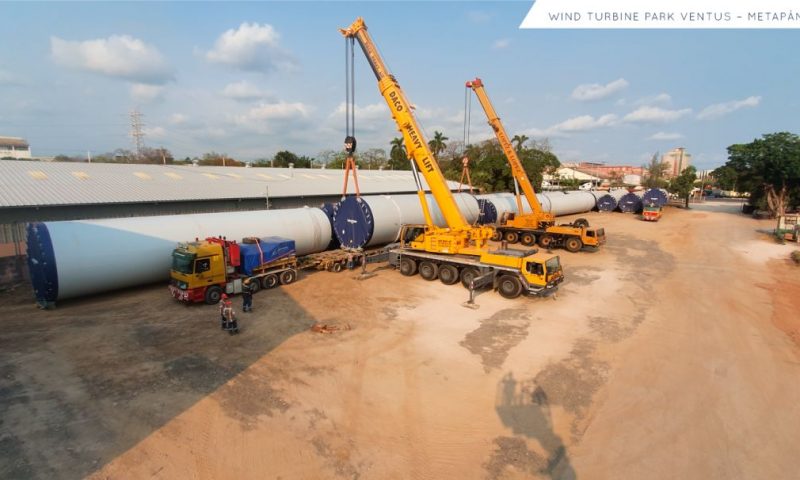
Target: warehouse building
(14, 147)
(52, 191)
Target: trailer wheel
(213, 294)
(288, 276)
(336, 267)
(270, 281)
(527, 238)
(408, 267)
(573, 244)
(511, 237)
(254, 285)
(509, 286)
(468, 275)
(497, 235)
(581, 222)
(448, 274)
(545, 240)
(428, 270)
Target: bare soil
(673, 352)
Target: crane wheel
(545, 240)
(468, 275)
(448, 274)
(511, 237)
(528, 239)
(573, 244)
(213, 295)
(269, 281)
(287, 277)
(509, 286)
(408, 267)
(428, 270)
(497, 236)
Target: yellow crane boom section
(513, 160)
(416, 146)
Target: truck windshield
(182, 261)
(553, 265)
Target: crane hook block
(350, 144)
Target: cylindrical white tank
(73, 258)
(559, 203)
(376, 219)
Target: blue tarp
(271, 249)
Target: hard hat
(224, 296)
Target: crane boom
(513, 160)
(416, 146)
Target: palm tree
(437, 144)
(398, 148)
(520, 141)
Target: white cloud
(243, 90)
(596, 91)
(252, 47)
(154, 132)
(477, 16)
(653, 99)
(8, 79)
(271, 117)
(720, 109)
(178, 119)
(119, 56)
(368, 117)
(142, 92)
(501, 43)
(649, 114)
(582, 123)
(665, 136)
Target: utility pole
(136, 132)
(89, 156)
(163, 157)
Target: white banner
(663, 14)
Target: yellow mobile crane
(527, 227)
(460, 251)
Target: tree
(398, 160)
(219, 159)
(655, 173)
(683, 184)
(374, 158)
(725, 177)
(437, 144)
(519, 141)
(769, 169)
(284, 158)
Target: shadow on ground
(82, 384)
(524, 407)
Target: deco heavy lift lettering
(459, 251)
(528, 227)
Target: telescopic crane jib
(537, 224)
(459, 236)
(459, 251)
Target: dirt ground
(674, 352)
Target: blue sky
(250, 79)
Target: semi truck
(205, 269)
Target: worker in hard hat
(225, 307)
(247, 295)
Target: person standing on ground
(224, 302)
(247, 296)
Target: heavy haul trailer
(536, 226)
(203, 270)
(460, 250)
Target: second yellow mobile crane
(459, 251)
(528, 227)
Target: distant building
(609, 171)
(14, 147)
(567, 173)
(677, 159)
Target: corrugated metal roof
(28, 183)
